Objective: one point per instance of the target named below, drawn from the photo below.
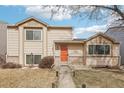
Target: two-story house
(31, 39)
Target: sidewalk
(65, 78)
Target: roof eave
(57, 27)
(104, 35)
(30, 18)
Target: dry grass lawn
(26, 78)
(99, 78)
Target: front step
(79, 66)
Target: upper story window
(33, 35)
(99, 49)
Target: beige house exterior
(80, 52)
(30, 40)
(18, 47)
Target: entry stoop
(79, 66)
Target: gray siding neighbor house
(3, 41)
(118, 34)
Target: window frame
(57, 47)
(26, 34)
(34, 34)
(33, 58)
(100, 54)
(33, 30)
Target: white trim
(7, 45)
(25, 30)
(30, 54)
(99, 54)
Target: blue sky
(82, 28)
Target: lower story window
(99, 49)
(33, 59)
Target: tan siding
(32, 23)
(14, 59)
(99, 40)
(75, 50)
(57, 35)
(116, 48)
(44, 43)
(75, 53)
(12, 43)
(76, 59)
(103, 60)
(32, 47)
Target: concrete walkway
(65, 77)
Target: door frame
(67, 52)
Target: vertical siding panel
(12, 43)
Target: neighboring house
(30, 40)
(118, 34)
(3, 41)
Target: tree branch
(114, 8)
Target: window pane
(37, 59)
(29, 35)
(107, 49)
(29, 59)
(100, 49)
(90, 49)
(37, 35)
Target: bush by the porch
(2, 61)
(10, 65)
(46, 62)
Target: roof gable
(104, 36)
(30, 19)
(38, 21)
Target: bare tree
(94, 12)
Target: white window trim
(33, 37)
(33, 54)
(99, 54)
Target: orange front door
(64, 53)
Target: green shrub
(46, 62)
(10, 65)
